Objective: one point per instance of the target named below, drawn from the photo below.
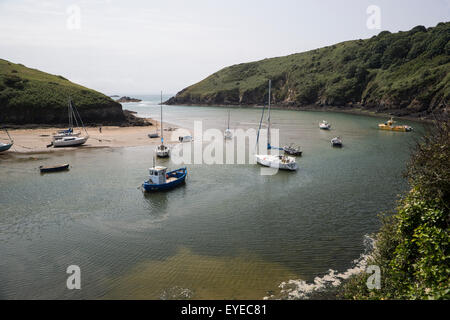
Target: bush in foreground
(412, 247)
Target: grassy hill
(405, 73)
(30, 96)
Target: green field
(407, 72)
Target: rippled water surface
(227, 233)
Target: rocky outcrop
(127, 99)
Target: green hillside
(405, 73)
(30, 96)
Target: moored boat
(324, 125)
(69, 138)
(336, 142)
(161, 180)
(228, 134)
(273, 160)
(62, 167)
(162, 151)
(292, 150)
(69, 141)
(185, 138)
(277, 162)
(5, 146)
(389, 125)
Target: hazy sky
(132, 47)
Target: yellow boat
(389, 125)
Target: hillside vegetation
(30, 96)
(404, 73)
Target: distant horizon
(112, 47)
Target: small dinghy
(292, 150)
(62, 167)
(324, 125)
(161, 180)
(336, 142)
(153, 135)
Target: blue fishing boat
(161, 180)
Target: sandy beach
(36, 140)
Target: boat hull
(162, 152)
(180, 178)
(54, 169)
(272, 162)
(5, 147)
(75, 142)
(395, 128)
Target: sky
(143, 47)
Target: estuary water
(228, 233)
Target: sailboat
(6, 146)
(282, 162)
(68, 138)
(228, 134)
(162, 151)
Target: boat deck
(171, 179)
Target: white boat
(63, 135)
(324, 125)
(277, 161)
(185, 138)
(228, 134)
(274, 161)
(336, 142)
(69, 138)
(69, 141)
(162, 151)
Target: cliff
(404, 73)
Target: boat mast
(70, 112)
(162, 139)
(268, 120)
(228, 120)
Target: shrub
(412, 247)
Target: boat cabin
(157, 175)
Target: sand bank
(36, 140)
